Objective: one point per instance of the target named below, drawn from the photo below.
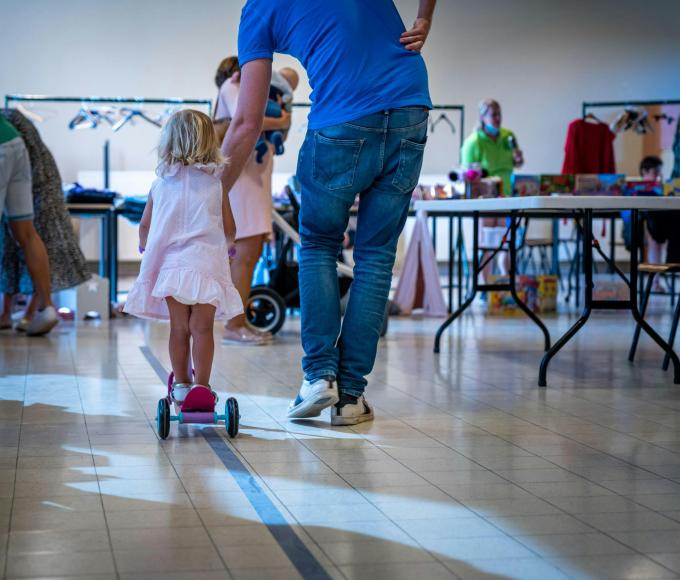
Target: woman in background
(67, 267)
(251, 203)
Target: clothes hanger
(32, 115)
(84, 119)
(590, 117)
(129, 115)
(664, 117)
(445, 119)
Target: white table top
(543, 203)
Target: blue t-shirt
(350, 49)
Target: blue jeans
(379, 158)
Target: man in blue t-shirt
(366, 137)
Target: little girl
(186, 234)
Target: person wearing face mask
(494, 149)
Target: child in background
(186, 233)
(651, 170)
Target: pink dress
(186, 253)
(251, 196)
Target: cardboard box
(556, 184)
(89, 297)
(539, 293)
(526, 185)
(638, 186)
(600, 184)
(483, 188)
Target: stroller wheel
(266, 310)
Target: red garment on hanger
(589, 148)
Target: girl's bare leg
(201, 326)
(180, 336)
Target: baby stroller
(268, 303)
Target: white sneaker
(351, 414)
(43, 321)
(180, 391)
(21, 325)
(313, 398)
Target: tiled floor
(469, 471)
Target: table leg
(470, 299)
(113, 255)
(434, 233)
(451, 259)
(635, 245)
(459, 251)
(588, 267)
(577, 281)
(612, 243)
(104, 258)
(513, 276)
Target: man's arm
(415, 38)
(246, 125)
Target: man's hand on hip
(414, 39)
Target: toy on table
(606, 184)
(198, 407)
(557, 184)
(526, 185)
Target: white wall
(540, 58)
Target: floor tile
(458, 477)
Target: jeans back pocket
(410, 164)
(335, 161)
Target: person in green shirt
(493, 148)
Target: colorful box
(539, 293)
(605, 184)
(486, 187)
(672, 187)
(643, 187)
(557, 184)
(526, 185)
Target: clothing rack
(611, 104)
(585, 107)
(108, 100)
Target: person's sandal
(180, 391)
(242, 337)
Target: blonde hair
(188, 138)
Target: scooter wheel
(163, 419)
(231, 412)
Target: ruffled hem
(146, 299)
(172, 169)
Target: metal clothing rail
(110, 100)
(611, 104)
